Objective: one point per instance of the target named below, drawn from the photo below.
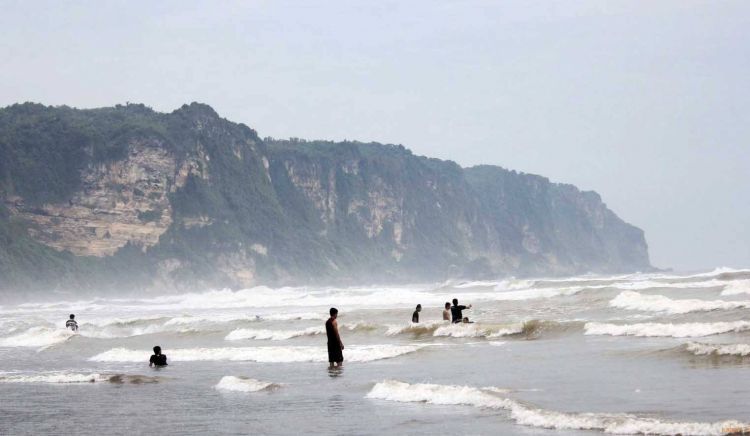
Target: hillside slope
(126, 197)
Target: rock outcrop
(125, 196)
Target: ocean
(629, 354)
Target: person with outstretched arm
(71, 323)
(415, 315)
(158, 359)
(335, 345)
(457, 315)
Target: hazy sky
(646, 102)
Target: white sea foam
(476, 330)
(262, 297)
(274, 335)
(460, 330)
(701, 349)
(244, 384)
(71, 377)
(528, 294)
(309, 316)
(414, 328)
(356, 353)
(37, 337)
(523, 414)
(659, 303)
(720, 270)
(281, 335)
(737, 287)
(684, 330)
(654, 284)
(477, 284)
(54, 378)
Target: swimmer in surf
(335, 346)
(71, 323)
(456, 312)
(447, 312)
(415, 315)
(158, 359)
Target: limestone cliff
(126, 196)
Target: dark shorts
(334, 353)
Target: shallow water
(658, 354)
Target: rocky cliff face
(129, 197)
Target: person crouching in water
(415, 315)
(335, 346)
(457, 312)
(158, 359)
(72, 324)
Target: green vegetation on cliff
(189, 199)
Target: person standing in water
(158, 359)
(71, 323)
(457, 312)
(415, 315)
(335, 346)
(447, 312)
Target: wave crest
(37, 337)
(64, 378)
(684, 330)
(523, 414)
(631, 300)
(295, 354)
(244, 384)
(701, 349)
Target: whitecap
(701, 349)
(37, 337)
(277, 354)
(475, 330)
(273, 335)
(737, 287)
(524, 414)
(659, 303)
(244, 384)
(683, 330)
(71, 378)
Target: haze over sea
(640, 353)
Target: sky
(646, 102)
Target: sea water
(627, 354)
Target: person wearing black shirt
(457, 315)
(158, 359)
(335, 345)
(415, 315)
(72, 324)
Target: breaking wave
(37, 337)
(63, 378)
(684, 330)
(701, 349)
(282, 335)
(659, 303)
(244, 384)
(527, 415)
(416, 329)
(737, 288)
(356, 353)
(477, 330)
(273, 335)
(530, 329)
